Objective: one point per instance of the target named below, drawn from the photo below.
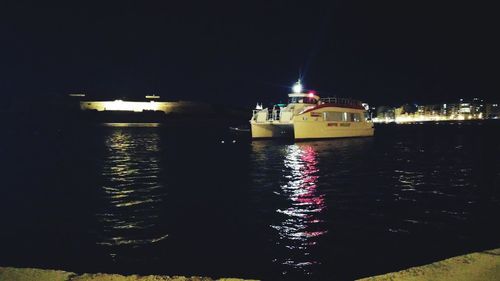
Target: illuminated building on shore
(464, 110)
(384, 114)
(492, 111)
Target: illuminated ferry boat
(307, 116)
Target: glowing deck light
(297, 87)
(311, 94)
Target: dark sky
(241, 52)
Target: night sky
(241, 52)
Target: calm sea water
(200, 200)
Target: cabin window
(356, 117)
(310, 100)
(332, 116)
(346, 117)
(341, 116)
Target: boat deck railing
(341, 101)
(273, 114)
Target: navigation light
(297, 87)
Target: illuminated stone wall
(135, 106)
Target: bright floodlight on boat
(297, 87)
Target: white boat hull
(268, 130)
(325, 129)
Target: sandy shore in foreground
(484, 266)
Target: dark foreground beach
(482, 266)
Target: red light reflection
(301, 224)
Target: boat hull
(267, 130)
(324, 129)
(321, 121)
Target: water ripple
(300, 225)
(132, 190)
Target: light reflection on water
(298, 225)
(308, 181)
(132, 125)
(132, 189)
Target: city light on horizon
(446, 112)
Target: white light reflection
(132, 189)
(300, 225)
